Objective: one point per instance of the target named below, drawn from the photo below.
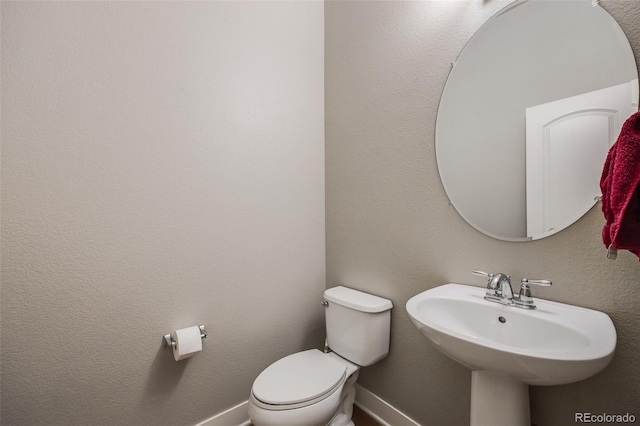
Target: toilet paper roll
(188, 342)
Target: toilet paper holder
(168, 342)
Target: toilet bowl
(308, 388)
(314, 388)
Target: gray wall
(162, 167)
(391, 232)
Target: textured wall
(162, 166)
(391, 232)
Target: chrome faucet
(498, 287)
(499, 290)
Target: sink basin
(508, 348)
(551, 345)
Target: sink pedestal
(497, 399)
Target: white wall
(162, 166)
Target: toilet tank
(358, 325)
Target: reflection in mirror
(567, 142)
(528, 113)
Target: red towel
(621, 190)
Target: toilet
(315, 388)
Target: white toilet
(313, 388)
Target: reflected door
(567, 142)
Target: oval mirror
(528, 113)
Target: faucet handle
(542, 283)
(525, 298)
(493, 280)
(491, 290)
(482, 274)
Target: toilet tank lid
(357, 300)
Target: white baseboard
(370, 403)
(234, 416)
(381, 410)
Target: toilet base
(342, 417)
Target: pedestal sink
(508, 348)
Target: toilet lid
(298, 378)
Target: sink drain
(502, 319)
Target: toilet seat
(298, 380)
